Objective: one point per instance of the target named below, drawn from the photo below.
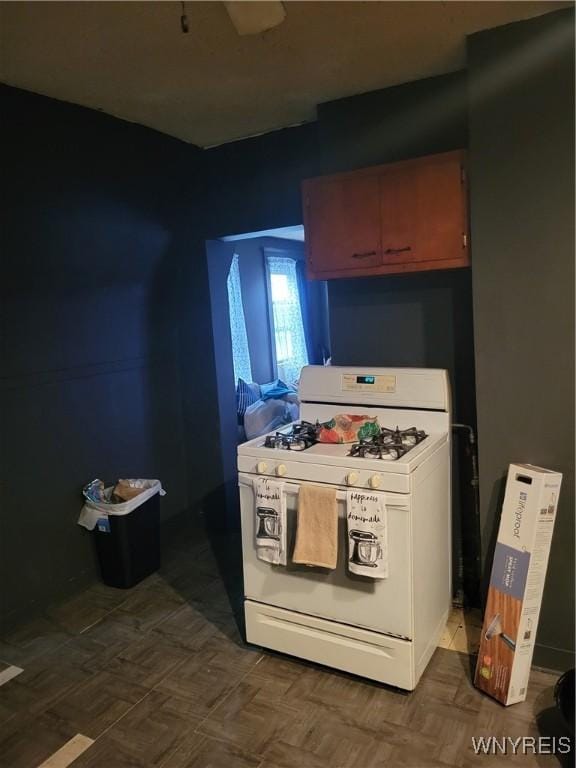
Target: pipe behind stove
(472, 452)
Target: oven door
(383, 605)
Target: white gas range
(385, 630)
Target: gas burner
(389, 444)
(298, 438)
(407, 438)
(366, 449)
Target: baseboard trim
(553, 659)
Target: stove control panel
(331, 474)
(352, 382)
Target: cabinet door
(342, 222)
(423, 213)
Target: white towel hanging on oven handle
(367, 529)
(270, 520)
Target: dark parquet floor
(158, 677)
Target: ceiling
(211, 85)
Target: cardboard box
(124, 491)
(517, 582)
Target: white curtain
(240, 350)
(291, 353)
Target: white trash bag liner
(92, 511)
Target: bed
(262, 408)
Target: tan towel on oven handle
(317, 527)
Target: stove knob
(281, 470)
(352, 478)
(261, 467)
(375, 481)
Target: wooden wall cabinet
(402, 217)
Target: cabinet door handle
(365, 255)
(398, 250)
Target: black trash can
(130, 550)
(564, 693)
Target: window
(240, 350)
(289, 338)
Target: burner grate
(389, 444)
(300, 437)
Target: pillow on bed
(275, 389)
(247, 393)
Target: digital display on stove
(378, 383)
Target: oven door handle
(393, 500)
(292, 488)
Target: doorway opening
(269, 320)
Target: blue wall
(522, 206)
(90, 367)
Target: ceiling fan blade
(250, 18)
